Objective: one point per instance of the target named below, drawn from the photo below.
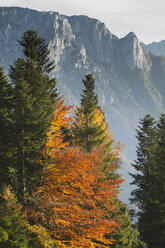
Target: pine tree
(36, 50)
(86, 131)
(147, 144)
(5, 130)
(158, 208)
(90, 129)
(34, 96)
(145, 179)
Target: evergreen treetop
(89, 99)
(36, 50)
(89, 126)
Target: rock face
(133, 53)
(156, 48)
(130, 82)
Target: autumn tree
(55, 137)
(61, 119)
(74, 201)
(34, 96)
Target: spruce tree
(36, 50)
(89, 125)
(145, 179)
(158, 236)
(34, 96)
(5, 130)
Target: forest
(59, 180)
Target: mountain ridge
(156, 48)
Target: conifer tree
(147, 144)
(36, 50)
(90, 129)
(84, 130)
(34, 96)
(145, 179)
(158, 206)
(5, 129)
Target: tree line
(58, 165)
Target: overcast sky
(144, 17)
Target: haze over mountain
(130, 81)
(157, 48)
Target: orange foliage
(55, 137)
(75, 201)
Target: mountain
(130, 81)
(156, 48)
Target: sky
(146, 18)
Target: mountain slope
(156, 48)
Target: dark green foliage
(145, 163)
(89, 99)
(158, 210)
(149, 195)
(34, 96)
(36, 50)
(86, 132)
(5, 129)
(89, 103)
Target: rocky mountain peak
(131, 36)
(134, 53)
